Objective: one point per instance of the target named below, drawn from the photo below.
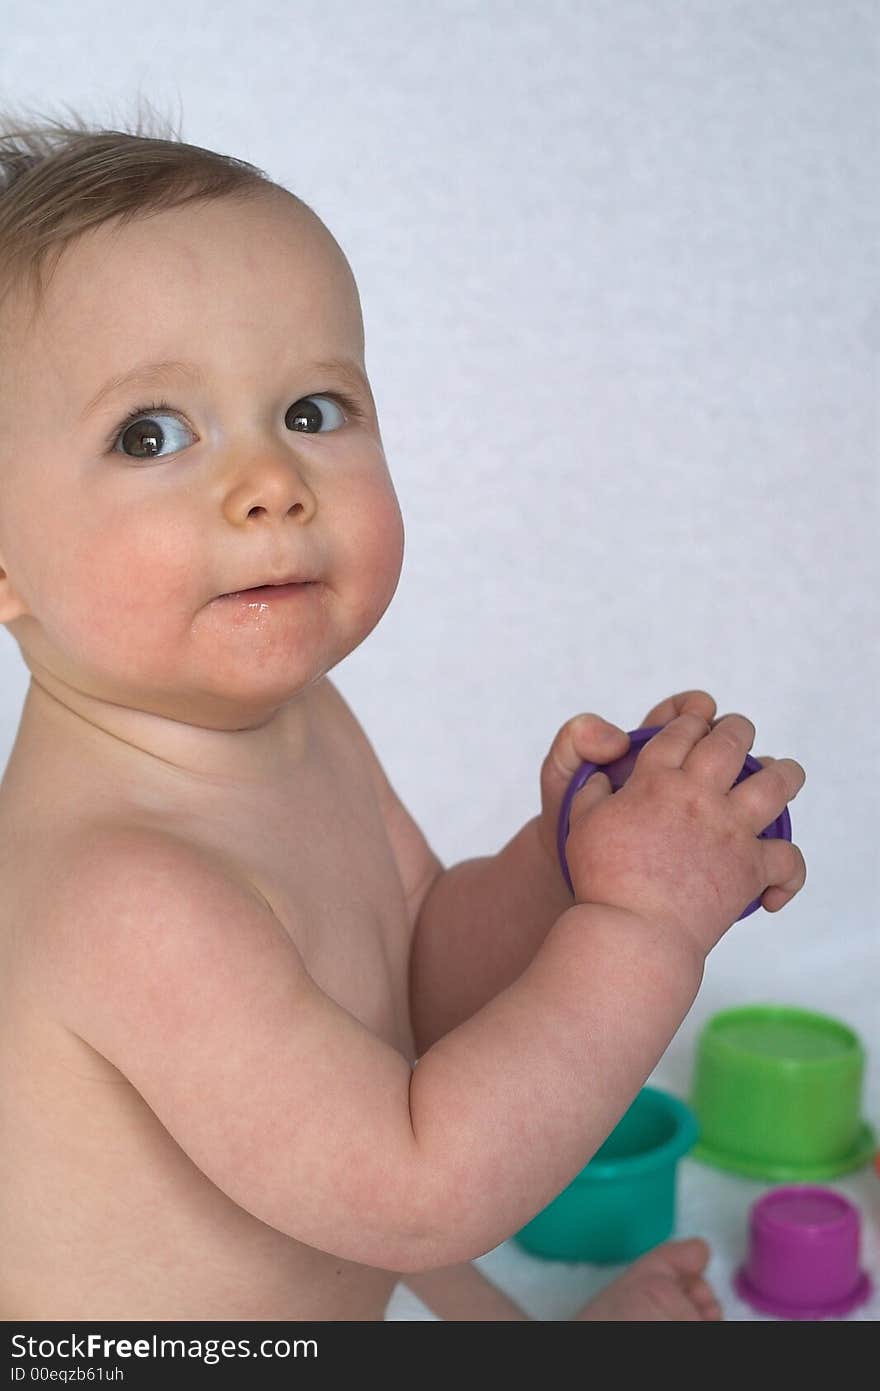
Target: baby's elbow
(454, 1239)
(440, 1233)
(416, 1258)
(435, 1255)
(415, 1247)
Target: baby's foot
(665, 1283)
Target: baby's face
(116, 541)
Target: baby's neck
(154, 750)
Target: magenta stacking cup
(803, 1258)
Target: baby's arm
(188, 983)
(191, 987)
(478, 927)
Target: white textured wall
(619, 268)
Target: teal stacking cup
(623, 1202)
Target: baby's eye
(141, 430)
(308, 417)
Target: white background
(619, 268)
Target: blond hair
(60, 178)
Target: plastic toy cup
(803, 1259)
(777, 1092)
(623, 1202)
(619, 770)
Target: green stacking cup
(777, 1092)
(623, 1202)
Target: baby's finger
(669, 747)
(763, 758)
(765, 795)
(685, 703)
(785, 871)
(718, 759)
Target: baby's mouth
(268, 591)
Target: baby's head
(260, 459)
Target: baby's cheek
(377, 545)
(122, 597)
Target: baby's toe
(690, 1256)
(705, 1299)
(662, 1298)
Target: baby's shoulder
(114, 877)
(100, 847)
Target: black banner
(256, 1355)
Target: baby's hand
(590, 739)
(678, 844)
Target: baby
(224, 941)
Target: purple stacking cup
(803, 1259)
(619, 770)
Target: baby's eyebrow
(146, 374)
